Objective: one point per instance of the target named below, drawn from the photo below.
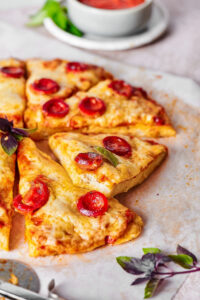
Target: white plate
(156, 27)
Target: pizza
(61, 218)
(79, 154)
(7, 177)
(111, 106)
(95, 124)
(12, 90)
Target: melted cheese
(58, 227)
(107, 179)
(134, 116)
(12, 94)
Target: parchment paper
(168, 201)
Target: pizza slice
(59, 78)
(7, 175)
(62, 218)
(12, 90)
(88, 160)
(109, 107)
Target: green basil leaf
(181, 250)
(151, 250)
(73, 29)
(49, 9)
(151, 287)
(182, 260)
(9, 143)
(108, 155)
(60, 19)
(37, 19)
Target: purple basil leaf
(181, 250)
(130, 264)
(9, 143)
(140, 280)
(161, 259)
(19, 138)
(5, 125)
(19, 131)
(151, 287)
(148, 263)
(23, 131)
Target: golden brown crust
(7, 174)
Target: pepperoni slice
(130, 216)
(109, 240)
(56, 108)
(35, 198)
(45, 86)
(92, 106)
(117, 145)
(77, 67)
(14, 72)
(159, 120)
(121, 87)
(89, 161)
(92, 204)
(140, 92)
(151, 142)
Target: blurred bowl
(110, 23)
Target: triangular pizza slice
(61, 218)
(88, 160)
(12, 90)
(7, 177)
(59, 78)
(109, 107)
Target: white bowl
(106, 22)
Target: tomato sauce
(112, 4)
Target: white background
(5, 4)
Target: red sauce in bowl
(112, 4)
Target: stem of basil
(176, 273)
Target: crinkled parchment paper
(168, 201)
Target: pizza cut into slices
(86, 159)
(61, 218)
(12, 90)
(112, 106)
(7, 175)
(59, 78)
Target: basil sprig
(58, 13)
(150, 267)
(107, 155)
(10, 136)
